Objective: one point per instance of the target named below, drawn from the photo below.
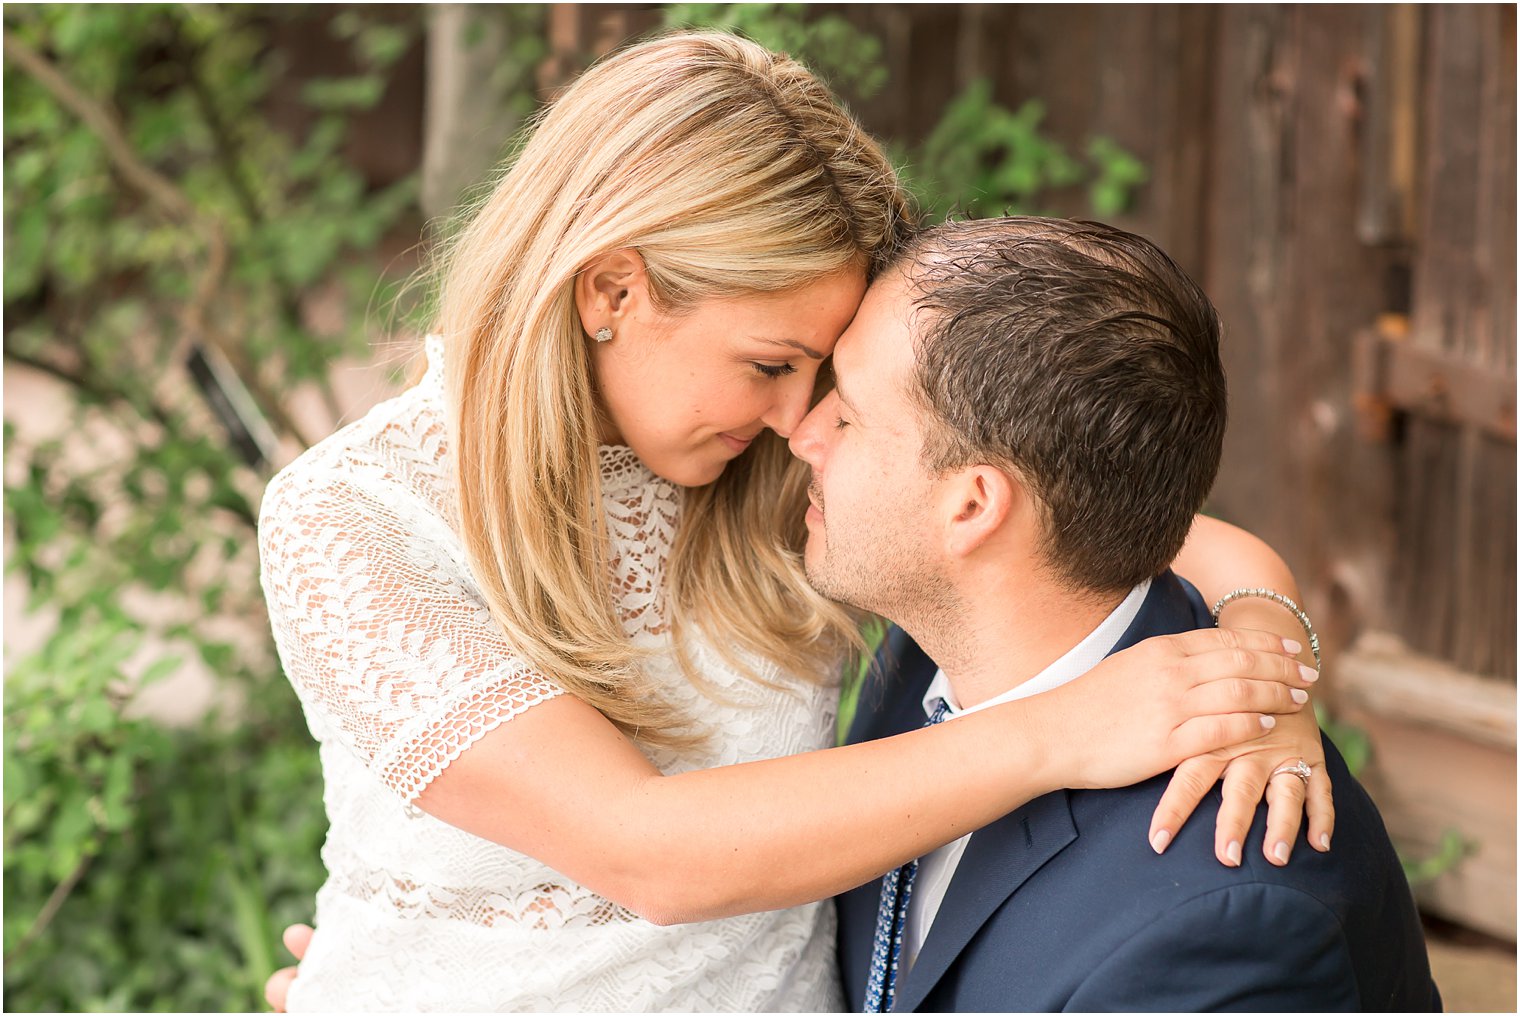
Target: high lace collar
(622, 470)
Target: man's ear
(609, 289)
(983, 500)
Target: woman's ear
(982, 500)
(610, 289)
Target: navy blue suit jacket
(1063, 906)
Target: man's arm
(1252, 947)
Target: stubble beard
(873, 568)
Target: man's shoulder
(1352, 882)
(1106, 907)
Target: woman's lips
(737, 444)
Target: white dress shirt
(935, 870)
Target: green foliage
(1116, 175)
(1351, 741)
(1453, 847)
(825, 42)
(873, 631)
(982, 159)
(148, 868)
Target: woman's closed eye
(774, 370)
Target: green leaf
(96, 716)
(344, 94)
(160, 669)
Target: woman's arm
(1219, 558)
(561, 784)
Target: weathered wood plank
(1496, 210)
(1427, 781)
(1448, 292)
(1389, 97)
(1380, 674)
(1245, 252)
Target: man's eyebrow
(812, 354)
(839, 391)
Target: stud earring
(603, 334)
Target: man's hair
(1083, 358)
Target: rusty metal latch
(1391, 374)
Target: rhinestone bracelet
(1278, 598)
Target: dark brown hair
(1083, 358)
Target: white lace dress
(400, 668)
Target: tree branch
(228, 155)
(173, 203)
(50, 909)
(89, 385)
(106, 395)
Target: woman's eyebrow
(813, 354)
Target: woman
(537, 778)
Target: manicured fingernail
(1293, 647)
(1160, 840)
(1269, 722)
(1299, 695)
(1310, 674)
(1324, 841)
(1232, 853)
(1281, 851)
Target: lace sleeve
(389, 648)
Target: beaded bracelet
(1278, 598)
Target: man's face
(871, 539)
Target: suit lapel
(1002, 856)
(998, 860)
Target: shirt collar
(1077, 661)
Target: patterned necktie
(891, 919)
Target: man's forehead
(879, 342)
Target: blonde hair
(728, 168)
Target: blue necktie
(891, 919)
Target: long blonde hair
(728, 168)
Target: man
(1028, 414)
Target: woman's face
(688, 392)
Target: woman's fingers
(296, 938)
(1251, 664)
(278, 987)
(1207, 640)
(1243, 695)
(1285, 814)
(1241, 793)
(1320, 807)
(1203, 734)
(1189, 783)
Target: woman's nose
(804, 440)
(789, 409)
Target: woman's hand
(1219, 558)
(1247, 770)
(296, 938)
(1145, 709)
